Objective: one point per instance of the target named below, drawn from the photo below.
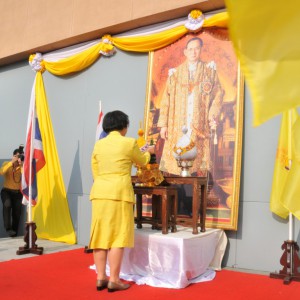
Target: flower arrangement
(181, 150)
(195, 20)
(37, 63)
(195, 14)
(107, 39)
(107, 48)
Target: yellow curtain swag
(108, 44)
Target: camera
(21, 152)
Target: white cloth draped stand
(173, 260)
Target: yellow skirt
(112, 224)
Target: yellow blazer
(12, 178)
(111, 162)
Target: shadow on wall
(75, 189)
(23, 216)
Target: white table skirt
(173, 260)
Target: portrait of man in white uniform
(195, 83)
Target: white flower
(194, 24)
(36, 62)
(106, 41)
(109, 53)
(171, 72)
(212, 65)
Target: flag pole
(291, 217)
(97, 129)
(30, 176)
(100, 110)
(290, 164)
(30, 235)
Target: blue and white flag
(34, 156)
(100, 133)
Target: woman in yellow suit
(112, 196)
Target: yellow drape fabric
(146, 43)
(291, 192)
(283, 164)
(143, 43)
(151, 42)
(218, 20)
(264, 34)
(77, 62)
(162, 39)
(51, 214)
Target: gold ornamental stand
(30, 239)
(290, 262)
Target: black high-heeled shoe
(101, 284)
(113, 287)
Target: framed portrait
(195, 91)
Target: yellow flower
(31, 57)
(140, 132)
(195, 14)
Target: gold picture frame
(223, 165)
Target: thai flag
(100, 133)
(34, 156)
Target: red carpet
(66, 275)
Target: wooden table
(199, 200)
(167, 198)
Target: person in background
(112, 196)
(10, 194)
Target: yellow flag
(51, 214)
(282, 164)
(265, 37)
(291, 192)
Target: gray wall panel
(15, 89)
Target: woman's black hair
(115, 120)
(16, 151)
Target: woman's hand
(15, 159)
(151, 149)
(164, 133)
